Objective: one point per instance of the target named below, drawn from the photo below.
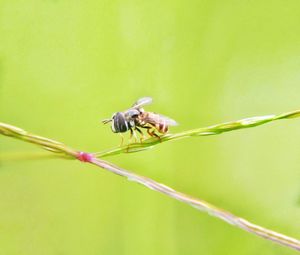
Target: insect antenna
(106, 121)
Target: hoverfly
(136, 117)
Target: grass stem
(63, 150)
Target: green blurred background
(65, 65)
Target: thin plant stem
(46, 143)
(205, 131)
(150, 142)
(62, 149)
(202, 205)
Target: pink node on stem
(84, 157)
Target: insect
(136, 117)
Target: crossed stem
(63, 150)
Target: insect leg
(122, 140)
(133, 134)
(154, 134)
(151, 132)
(141, 133)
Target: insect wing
(141, 102)
(159, 119)
(167, 120)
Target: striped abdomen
(162, 127)
(150, 119)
